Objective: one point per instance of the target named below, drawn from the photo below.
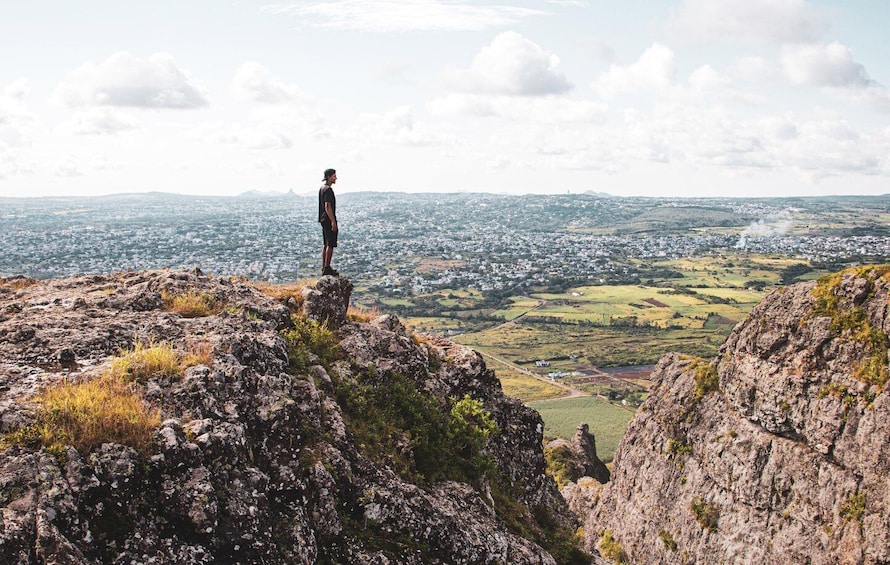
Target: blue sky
(660, 98)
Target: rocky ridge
(261, 454)
(778, 451)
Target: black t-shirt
(326, 194)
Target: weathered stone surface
(786, 462)
(584, 444)
(253, 462)
(328, 300)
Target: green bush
(309, 337)
(397, 424)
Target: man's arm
(330, 212)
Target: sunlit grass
(285, 291)
(107, 409)
(87, 414)
(357, 314)
(157, 360)
(193, 304)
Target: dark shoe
(329, 271)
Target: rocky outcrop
(261, 455)
(572, 460)
(776, 452)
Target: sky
(632, 98)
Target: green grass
(524, 343)
(606, 421)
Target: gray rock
(786, 462)
(252, 463)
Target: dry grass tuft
(17, 283)
(358, 314)
(88, 414)
(193, 304)
(283, 292)
(157, 360)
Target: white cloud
(17, 90)
(873, 95)
(463, 105)
(395, 74)
(102, 163)
(16, 119)
(69, 167)
(829, 65)
(832, 67)
(99, 121)
(399, 127)
(126, 80)
(653, 71)
(706, 78)
(546, 110)
(13, 164)
(253, 83)
(404, 15)
(510, 65)
(250, 136)
(727, 20)
(271, 168)
(755, 70)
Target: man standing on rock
(327, 217)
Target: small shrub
(471, 424)
(611, 549)
(706, 514)
(398, 424)
(678, 448)
(193, 304)
(306, 338)
(88, 414)
(706, 379)
(668, 540)
(854, 507)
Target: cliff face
(776, 452)
(268, 449)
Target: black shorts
(329, 235)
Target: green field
(607, 422)
(687, 305)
